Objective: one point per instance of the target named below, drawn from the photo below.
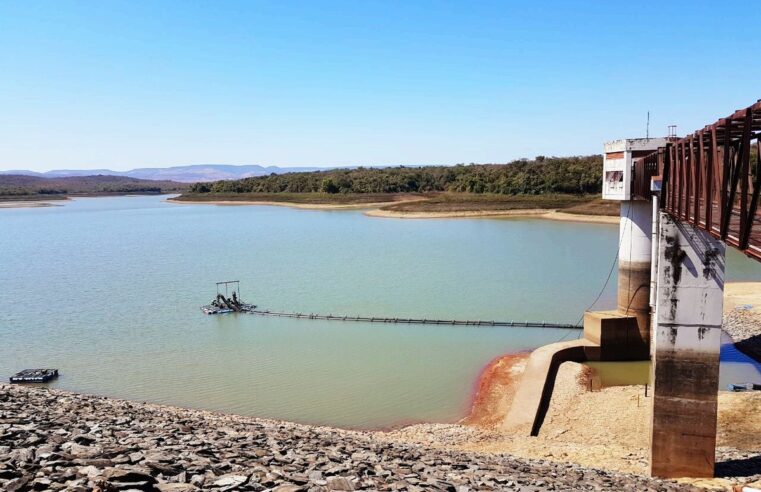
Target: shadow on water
(736, 366)
(751, 348)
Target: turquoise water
(108, 290)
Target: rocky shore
(55, 440)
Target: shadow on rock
(744, 467)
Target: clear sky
(125, 84)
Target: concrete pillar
(634, 260)
(687, 339)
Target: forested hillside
(13, 185)
(573, 175)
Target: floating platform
(417, 321)
(34, 376)
(226, 303)
(242, 308)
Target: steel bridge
(711, 179)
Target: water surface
(108, 290)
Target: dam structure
(683, 202)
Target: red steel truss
(712, 179)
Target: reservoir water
(108, 291)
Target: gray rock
(340, 483)
(288, 487)
(88, 471)
(230, 481)
(17, 484)
(136, 457)
(176, 487)
(121, 475)
(96, 443)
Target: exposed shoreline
(577, 429)
(54, 437)
(61, 201)
(378, 209)
(537, 213)
(303, 206)
(29, 204)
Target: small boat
(34, 376)
(229, 302)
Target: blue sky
(90, 84)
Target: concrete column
(687, 339)
(634, 260)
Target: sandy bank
(516, 213)
(385, 209)
(305, 206)
(495, 390)
(579, 427)
(595, 219)
(28, 204)
(394, 214)
(744, 295)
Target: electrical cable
(612, 267)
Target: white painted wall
(613, 168)
(635, 231)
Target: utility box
(618, 162)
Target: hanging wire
(610, 272)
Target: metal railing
(712, 179)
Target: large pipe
(654, 262)
(654, 253)
(634, 265)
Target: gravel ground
(55, 440)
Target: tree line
(21, 185)
(574, 175)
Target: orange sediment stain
(494, 390)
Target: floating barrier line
(416, 321)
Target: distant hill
(184, 174)
(17, 186)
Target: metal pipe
(654, 270)
(654, 255)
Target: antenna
(647, 130)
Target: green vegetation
(569, 183)
(18, 187)
(551, 175)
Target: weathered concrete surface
(686, 351)
(634, 260)
(54, 440)
(614, 335)
(533, 396)
(634, 300)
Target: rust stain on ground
(495, 390)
